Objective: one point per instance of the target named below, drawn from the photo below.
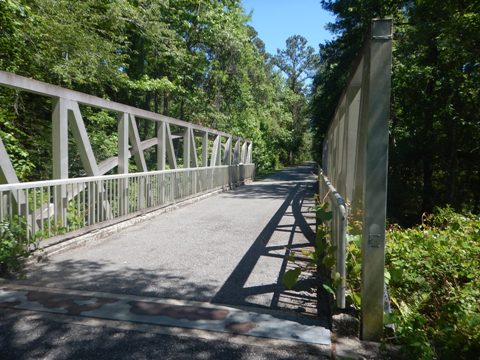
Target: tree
(195, 60)
(434, 128)
(298, 62)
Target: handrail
(355, 159)
(32, 184)
(55, 207)
(338, 234)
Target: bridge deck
(229, 249)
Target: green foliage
(434, 132)
(435, 285)
(323, 253)
(290, 277)
(354, 271)
(13, 245)
(11, 135)
(197, 61)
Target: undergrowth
(435, 286)
(13, 245)
(433, 276)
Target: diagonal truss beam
(136, 144)
(79, 132)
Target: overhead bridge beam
(38, 87)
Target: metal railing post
(355, 155)
(379, 59)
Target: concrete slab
(175, 313)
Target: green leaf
(356, 299)
(290, 277)
(329, 289)
(386, 277)
(308, 253)
(329, 261)
(324, 215)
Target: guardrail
(355, 157)
(217, 147)
(338, 234)
(55, 207)
(199, 159)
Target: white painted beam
(205, 149)
(236, 152)
(243, 157)
(227, 158)
(136, 144)
(60, 139)
(77, 126)
(249, 153)
(161, 146)
(172, 159)
(7, 172)
(193, 150)
(186, 148)
(215, 151)
(38, 87)
(123, 152)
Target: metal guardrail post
(355, 153)
(378, 60)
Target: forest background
(202, 62)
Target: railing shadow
(108, 276)
(235, 291)
(28, 335)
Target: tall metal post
(123, 155)
(227, 158)
(60, 156)
(249, 153)
(186, 148)
(205, 149)
(378, 58)
(161, 158)
(243, 156)
(161, 146)
(236, 152)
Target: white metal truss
(67, 115)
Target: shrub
(435, 285)
(13, 245)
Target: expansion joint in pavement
(162, 312)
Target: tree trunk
(427, 156)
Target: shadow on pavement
(234, 291)
(104, 277)
(27, 335)
(277, 185)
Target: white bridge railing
(188, 159)
(92, 200)
(354, 168)
(338, 227)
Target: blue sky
(276, 20)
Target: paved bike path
(175, 270)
